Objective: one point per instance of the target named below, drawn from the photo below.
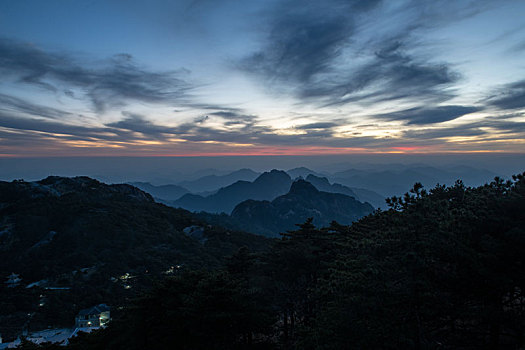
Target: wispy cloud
(110, 84)
(18, 105)
(511, 96)
(319, 125)
(390, 74)
(134, 132)
(52, 127)
(137, 123)
(303, 39)
(422, 115)
(322, 52)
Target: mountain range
(393, 181)
(266, 186)
(214, 182)
(219, 191)
(162, 192)
(302, 201)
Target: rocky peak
(273, 176)
(302, 187)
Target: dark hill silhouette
(266, 187)
(301, 172)
(369, 196)
(163, 192)
(322, 184)
(81, 234)
(361, 194)
(301, 202)
(214, 182)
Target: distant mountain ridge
(302, 172)
(214, 182)
(390, 182)
(163, 192)
(322, 184)
(265, 187)
(300, 203)
(368, 184)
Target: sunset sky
(267, 77)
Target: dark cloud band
(118, 80)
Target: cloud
(202, 119)
(519, 46)
(484, 129)
(422, 115)
(320, 125)
(303, 39)
(11, 103)
(132, 133)
(511, 96)
(226, 114)
(468, 130)
(111, 84)
(46, 126)
(504, 124)
(326, 53)
(389, 74)
(300, 48)
(137, 123)
(235, 117)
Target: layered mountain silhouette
(302, 172)
(368, 196)
(214, 182)
(394, 181)
(265, 187)
(322, 184)
(163, 192)
(301, 202)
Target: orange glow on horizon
(406, 148)
(89, 149)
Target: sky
(261, 77)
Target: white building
(96, 316)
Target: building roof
(95, 310)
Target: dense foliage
(99, 243)
(441, 269)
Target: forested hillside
(75, 242)
(441, 269)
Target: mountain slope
(368, 196)
(301, 202)
(267, 186)
(322, 184)
(86, 237)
